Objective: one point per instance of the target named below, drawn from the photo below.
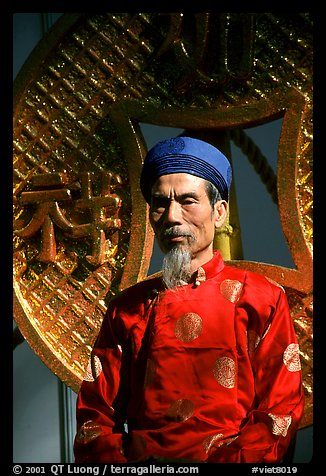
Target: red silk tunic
(208, 372)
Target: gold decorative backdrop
(81, 229)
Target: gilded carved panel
(81, 230)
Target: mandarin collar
(209, 269)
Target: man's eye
(188, 201)
(158, 205)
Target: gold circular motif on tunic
(181, 410)
(89, 431)
(225, 372)
(94, 369)
(291, 358)
(231, 289)
(210, 440)
(188, 327)
(281, 424)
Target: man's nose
(173, 212)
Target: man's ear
(220, 212)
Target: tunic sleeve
(101, 401)
(274, 417)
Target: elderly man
(200, 363)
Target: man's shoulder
(149, 282)
(251, 278)
(140, 290)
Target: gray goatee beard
(176, 267)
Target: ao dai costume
(206, 372)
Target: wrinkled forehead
(179, 184)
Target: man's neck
(200, 260)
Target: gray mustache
(172, 232)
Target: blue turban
(186, 155)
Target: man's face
(182, 216)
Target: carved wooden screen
(81, 228)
